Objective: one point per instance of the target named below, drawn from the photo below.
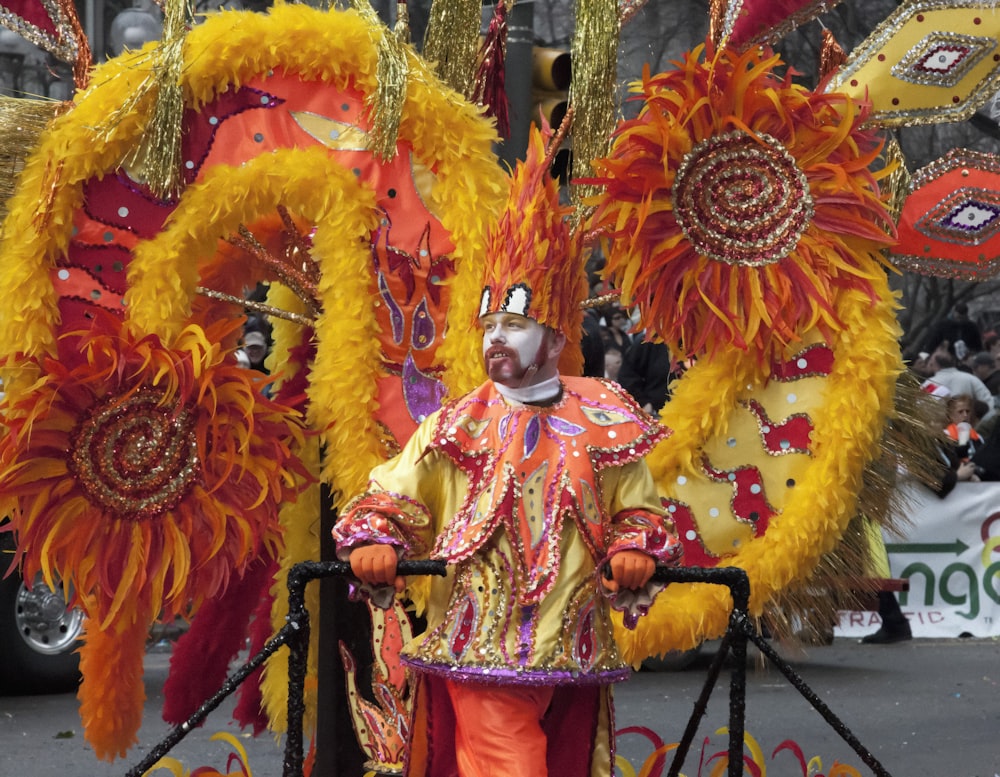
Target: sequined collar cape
(529, 467)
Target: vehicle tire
(39, 637)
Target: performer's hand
(376, 565)
(630, 569)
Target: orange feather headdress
(534, 265)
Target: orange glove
(376, 565)
(629, 569)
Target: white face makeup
(512, 349)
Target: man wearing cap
(533, 488)
(255, 347)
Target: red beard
(503, 365)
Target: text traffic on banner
(951, 557)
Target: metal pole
(517, 75)
(96, 35)
(89, 17)
(337, 751)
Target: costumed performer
(533, 488)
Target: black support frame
(741, 631)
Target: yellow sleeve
(638, 520)
(408, 497)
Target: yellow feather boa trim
(446, 133)
(301, 523)
(312, 184)
(857, 402)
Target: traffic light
(551, 74)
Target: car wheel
(39, 636)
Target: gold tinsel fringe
(157, 156)
(452, 42)
(84, 57)
(592, 93)
(806, 611)
(897, 183)
(385, 104)
(845, 579)
(22, 122)
(402, 27)
(831, 54)
(721, 17)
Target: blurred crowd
(959, 366)
(615, 348)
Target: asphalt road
(926, 708)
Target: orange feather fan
(738, 204)
(145, 477)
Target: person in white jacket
(948, 380)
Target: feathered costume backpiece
(745, 226)
(180, 487)
(317, 152)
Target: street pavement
(924, 708)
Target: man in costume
(533, 488)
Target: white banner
(951, 556)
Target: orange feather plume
(145, 478)
(112, 694)
(739, 205)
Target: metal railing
(295, 634)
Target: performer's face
(518, 351)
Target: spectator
(987, 456)
(948, 380)
(991, 343)
(920, 365)
(963, 356)
(612, 363)
(592, 345)
(646, 374)
(984, 367)
(958, 468)
(960, 425)
(256, 348)
(956, 327)
(617, 330)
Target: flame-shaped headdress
(534, 264)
